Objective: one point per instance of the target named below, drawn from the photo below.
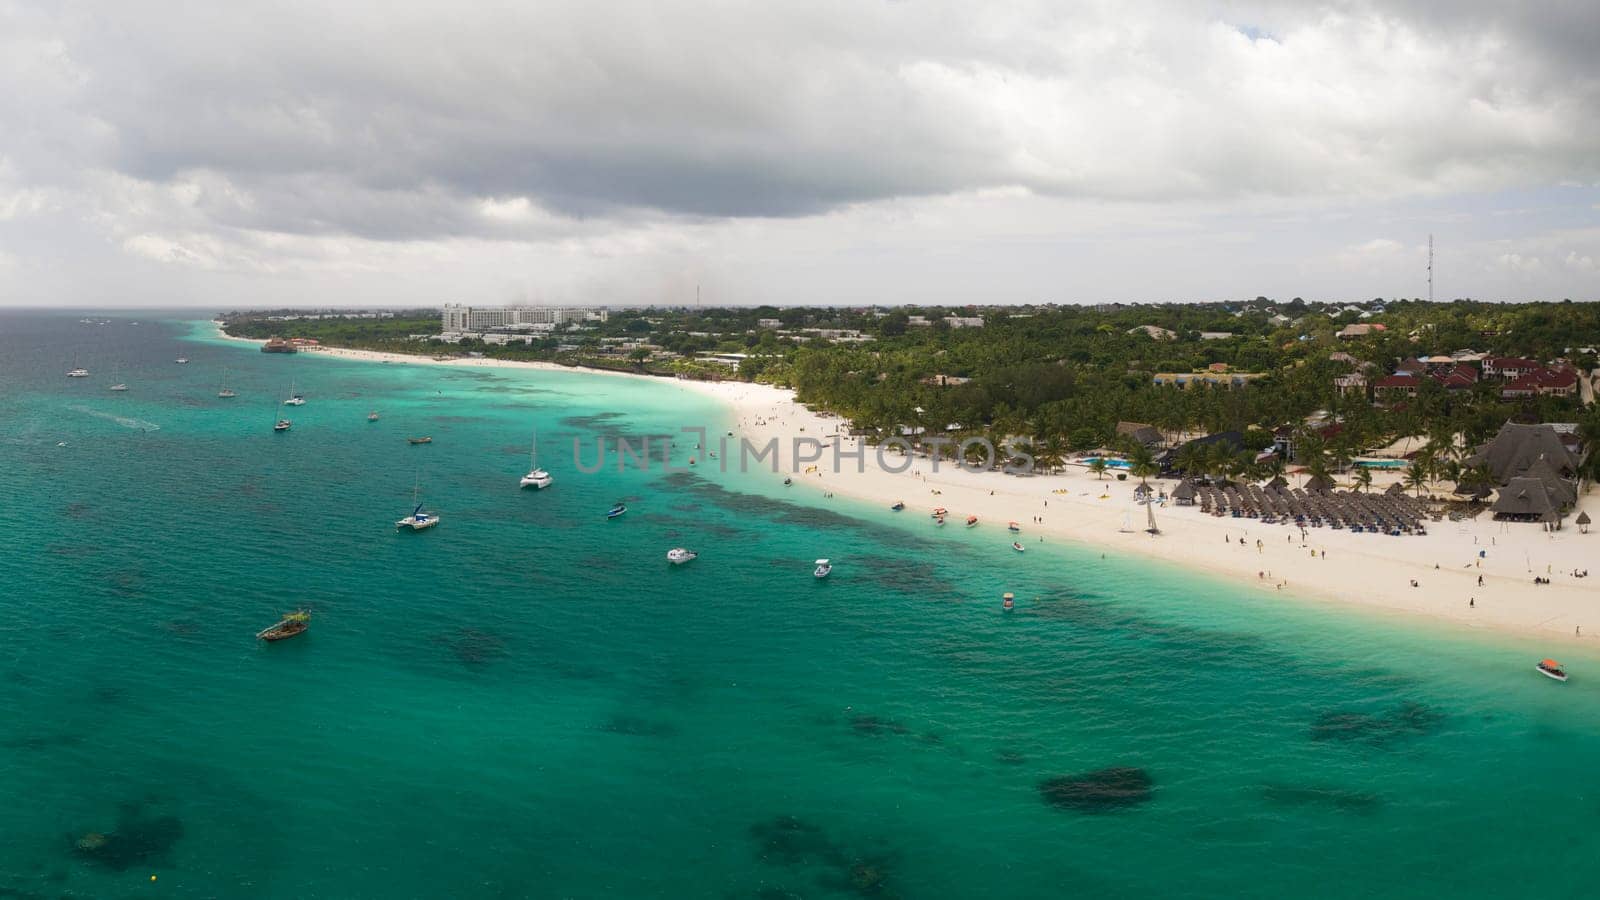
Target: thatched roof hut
(1183, 494)
(1524, 500)
(1515, 448)
(1319, 485)
(1395, 490)
(1583, 522)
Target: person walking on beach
(1480, 581)
(1472, 601)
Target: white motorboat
(182, 360)
(1549, 668)
(678, 556)
(823, 568)
(78, 373)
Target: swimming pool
(1380, 463)
(1110, 462)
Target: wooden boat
(1549, 668)
(1007, 601)
(940, 512)
(420, 440)
(292, 624)
(971, 521)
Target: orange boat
(1549, 668)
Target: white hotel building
(459, 319)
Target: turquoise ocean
(528, 701)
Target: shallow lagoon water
(529, 701)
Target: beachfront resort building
(462, 320)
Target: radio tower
(1430, 268)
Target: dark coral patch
(1100, 791)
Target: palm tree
(1051, 453)
(1141, 462)
(1098, 467)
(1417, 474)
(1363, 477)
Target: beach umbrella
(1583, 522)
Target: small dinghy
(940, 512)
(419, 440)
(1008, 601)
(971, 521)
(616, 510)
(678, 556)
(898, 505)
(292, 624)
(823, 569)
(1018, 547)
(1549, 668)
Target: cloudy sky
(297, 152)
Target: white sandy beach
(1374, 571)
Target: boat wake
(124, 421)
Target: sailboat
(1150, 516)
(418, 519)
(295, 399)
(226, 393)
(536, 478)
(115, 384)
(282, 424)
(1127, 522)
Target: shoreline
(1373, 572)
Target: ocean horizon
(529, 701)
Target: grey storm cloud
(392, 120)
(297, 136)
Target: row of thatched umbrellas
(1391, 512)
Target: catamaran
(295, 398)
(678, 556)
(418, 519)
(536, 478)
